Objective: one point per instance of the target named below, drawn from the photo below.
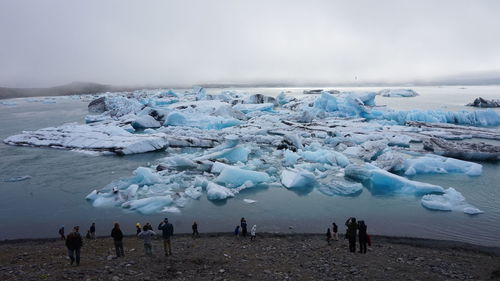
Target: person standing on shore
(243, 224)
(117, 235)
(328, 235)
(237, 231)
(137, 228)
(61, 232)
(253, 232)
(195, 230)
(168, 230)
(147, 235)
(74, 243)
(352, 228)
(362, 236)
(92, 231)
(335, 230)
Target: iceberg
(145, 121)
(297, 179)
(247, 108)
(101, 138)
(433, 164)
(203, 122)
(148, 205)
(232, 176)
(383, 182)
(398, 93)
(450, 200)
(218, 192)
(341, 188)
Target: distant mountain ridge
(63, 90)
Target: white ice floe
(96, 138)
(398, 93)
(433, 164)
(450, 200)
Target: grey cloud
(185, 42)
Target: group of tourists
(74, 240)
(357, 229)
(244, 231)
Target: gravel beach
(269, 257)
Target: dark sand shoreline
(404, 240)
(272, 256)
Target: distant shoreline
(95, 88)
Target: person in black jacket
(195, 230)
(92, 231)
(362, 236)
(117, 235)
(352, 228)
(243, 224)
(74, 243)
(167, 231)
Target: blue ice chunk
(145, 176)
(200, 92)
(381, 181)
(487, 117)
(398, 93)
(234, 155)
(232, 176)
(450, 200)
(297, 179)
(169, 93)
(145, 121)
(282, 98)
(206, 122)
(434, 164)
(325, 156)
(345, 104)
(218, 192)
(148, 205)
(341, 188)
(247, 108)
(290, 158)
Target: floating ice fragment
(15, 179)
(398, 93)
(218, 192)
(193, 192)
(342, 188)
(148, 205)
(381, 181)
(233, 176)
(450, 200)
(434, 164)
(249, 201)
(297, 179)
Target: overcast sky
(120, 42)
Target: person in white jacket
(147, 235)
(253, 232)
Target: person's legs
(169, 246)
(71, 256)
(148, 249)
(364, 247)
(121, 249)
(352, 244)
(77, 253)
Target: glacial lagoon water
(61, 179)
